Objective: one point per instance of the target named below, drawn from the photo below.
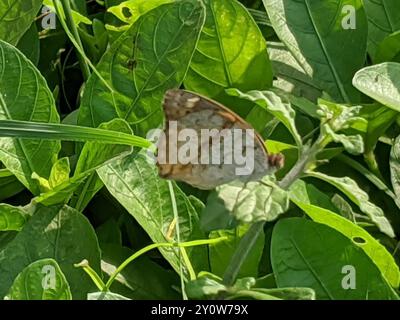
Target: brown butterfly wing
(192, 111)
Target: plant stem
(373, 166)
(241, 253)
(159, 245)
(306, 159)
(68, 14)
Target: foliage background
(320, 81)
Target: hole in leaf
(126, 12)
(359, 240)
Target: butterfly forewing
(205, 144)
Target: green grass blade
(52, 131)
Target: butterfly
(206, 145)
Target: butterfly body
(231, 150)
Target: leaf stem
(159, 245)
(92, 274)
(68, 14)
(178, 237)
(373, 166)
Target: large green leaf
(41, 280)
(381, 82)
(135, 183)
(383, 19)
(149, 58)
(24, 95)
(308, 254)
(16, 16)
(312, 30)
(60, 233)
(153, 55)
(231, 53)
(376, 251)
(290, 75)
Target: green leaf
(376, 251)
(215, 216)
(353, 144)
(59, 172)
(135, 183)
(149, 58)
(337, 117)
(141, 279)
(208, 285)
(97, 154)
(344, 208)
(295, 244)
(109, 232)
(221, 253)
(12, 218)
(359, 197)
(205, 285)
(16, 17)
(130, 11)
(308, 193)
(93, 155)
(231, 53)
(41, 280)
(29, 44)
(60, 233)
(383, 19)
(274, 105)
(389, 49)
(379, 120)
(381, 82)
(291, 77)
(395, 168)
(9, 185)
(24, 95)
(312, 30)
(62, 193)
(105, 296)
(255, 200)
(377, 182)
